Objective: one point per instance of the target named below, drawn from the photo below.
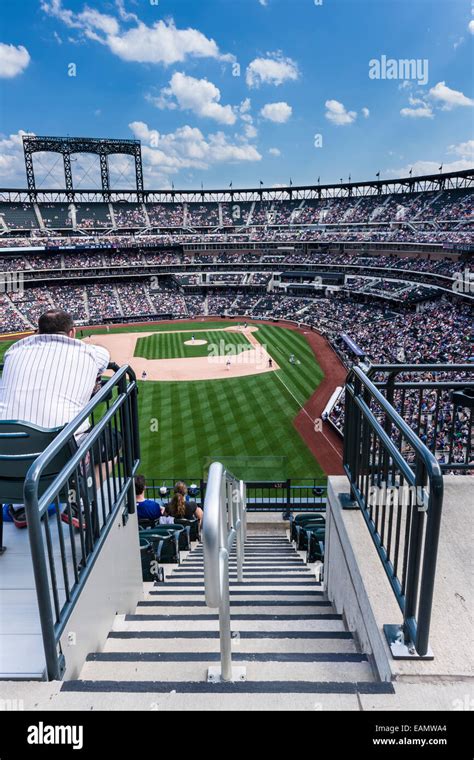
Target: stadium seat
(147, 556)
(315, 545)
(191, 525)
(20, 445)
(166, 542)
(301, 519)
(302, 532)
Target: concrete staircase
(294, 646)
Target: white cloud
(13, 60)
(125, 15)
(337, 114)
(419, 112)
(188, 148)
(420, 108)
(197, 95)
(245, 106)
(277, 112)
(471, 26)
(12, 161)
(449, 98)
(99, 21)
(365, 113)
(263, 2)
(430, 167)
(161, 43)
(465, 150)
(250, 131)
(274, 151)
(274, 69)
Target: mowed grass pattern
(4, 346)
(250, 416)
(172, 345)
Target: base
(400, 650)
(347, 502)
(2, 550)
(214, 674)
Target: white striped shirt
(48, 379)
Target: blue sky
(240, 90)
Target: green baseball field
(246, 422)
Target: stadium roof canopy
(103, 148)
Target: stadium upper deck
(437, 208)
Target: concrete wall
(357, 585)
(114, 586)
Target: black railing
(93, 486)
(398, 485)
(437, 401)
(297, 495)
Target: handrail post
(54, 663)
(223, 523)
(224, 616)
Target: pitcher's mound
(195, 342)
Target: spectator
(147, 509)
(49, 377)
(180, 505)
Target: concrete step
(199, 623)
(195, 587)
(339, 670)
(271, 692)
(254, 645)
(258, 608)
(259, 598)
(262, 574)
(95, 696)
(284, 632)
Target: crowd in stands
(342, 234)
(404, 267)
(202, 215)
(166, 215)
(129, 215)
(440, 332)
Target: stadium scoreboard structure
(67, 146)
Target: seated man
(147, 509)
(49, 377)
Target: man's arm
(102, 358)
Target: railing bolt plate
(401, 650)
(347, 502)
(214, 674)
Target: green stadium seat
(149, 563)
(301, 520)
(20, 445)
(315, 545)
(192, 525)
(165, 540)
(302, 537)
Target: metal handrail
(364, 437)
(125, 404)
(224, 523)
(385, 378)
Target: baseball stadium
(236, 439)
